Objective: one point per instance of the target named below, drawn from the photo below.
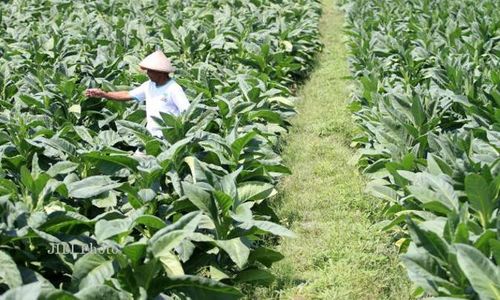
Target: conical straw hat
(157, 61)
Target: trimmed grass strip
(338, 253)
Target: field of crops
(82, 217)
(429, 108)
(190, 218)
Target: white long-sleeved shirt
(168, 98)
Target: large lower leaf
(29, 291)
(9, 273)
(483, 275)
(265, 256)
(429, 240)
(93, 269)
(424, 278)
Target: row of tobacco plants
(429, 107)
(80, 216)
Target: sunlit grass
(337, 254)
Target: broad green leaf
(422, 277)
(91, 186)
(150, 221)
(268, 115)
(428, 240)
(480, 198)
(84, 134)
(240, 143)
(243, 212)
(495, 248)
(108, 199)
(108, 138)
(224, 201)
(7, 187)
(461, 234)
(30, 291)
(58, 144)
(199, 197)
(26, 178)
(146, 272)
(62, 167)
(254, 190)
(483, 275)
(265, 256)
(418, 112)
(228, 183)
(105, 229)
(59, 219)
(161, 245)
(146, 195)
(9, 274)
(236, 249)
(382, 191)
(75, 109)
(199, 170)
(85, 264)
(482, 243)
(99, 274)
(116, 160)
(430, 199)
(30, 101)
(185, 250)
(217, 274)
(255, 275)
(171, 264)
(136, 251)
(268, 227)
(171, 152)
(188, 222)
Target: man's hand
(98, 93)
(117, 96)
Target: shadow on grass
(287, 219)
(251, 291)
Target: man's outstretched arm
(117, 96)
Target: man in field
(161, 92)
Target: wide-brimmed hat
(157, 61)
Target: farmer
(161, 93)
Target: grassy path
(337, 253)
